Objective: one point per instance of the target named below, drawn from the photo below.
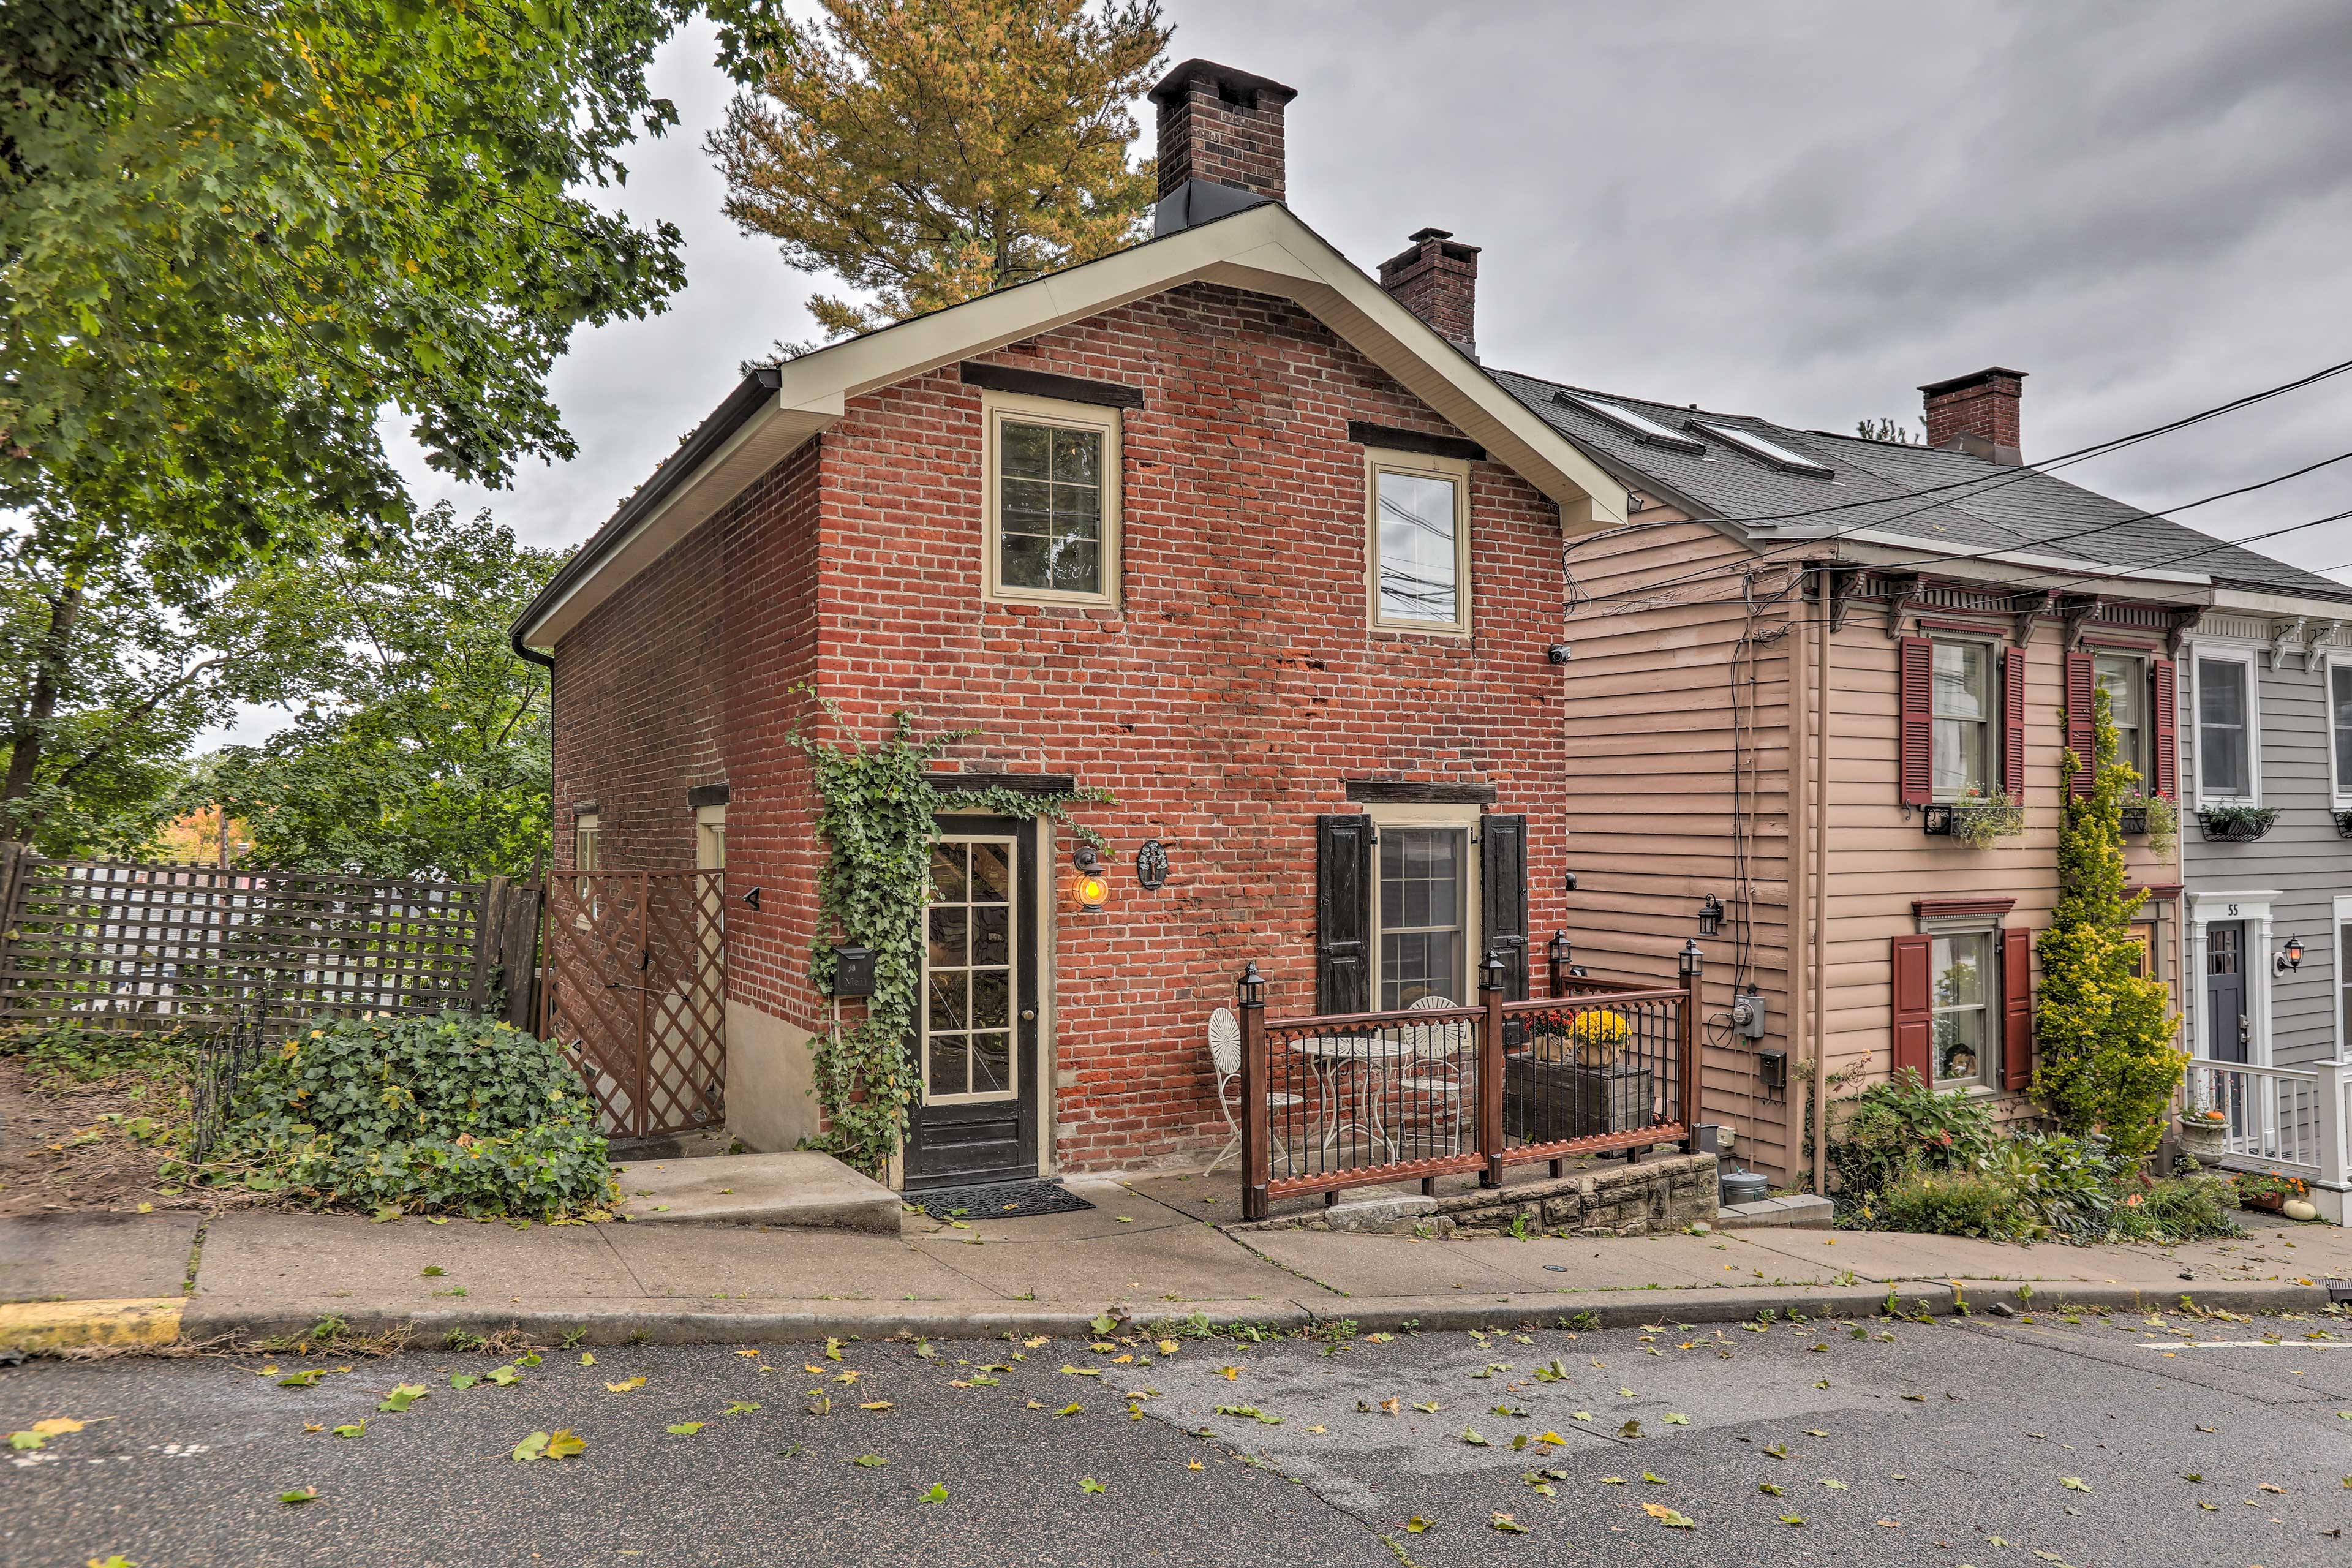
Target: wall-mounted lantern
(1093, 887)
(2289, 958)
(1710, 915)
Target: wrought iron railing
(1340, 1100)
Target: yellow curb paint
(36, 1326)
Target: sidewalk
(121, 1278)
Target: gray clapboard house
(2265, 724)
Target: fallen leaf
(1169, 1347)
(1613, 1480)
(1471, 1438)
(1768, 1490)
(2073, 1483)
(463, 1380)
(298, 1379)
(938, 1493)
(869, 1404)
(1196, 1464)
(1835, 1486)
(1088, 1484)
(1673, 1420)
(1229, 1372)
(1653, 1481)
(1792, 1520)
(742, 1407)
(1431, 1406)
(300, 1494)
(566, 1444)
(1506, 1524)
(587, 1358)
(1083, 1371)
(504, 1376)
(625, 1384)
(1415, 1525)
(870, 1461)
(1669, 1517)
(686, 1429)
(1630, 1429)
(402, 1396)
(352, 1429)
(1070, 1409)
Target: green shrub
(449, 1113)
(70, 1051)
(2180, 1208)
(2071, 1187)
(1894, 1129)
(1951, 1202)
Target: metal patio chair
(1226, 1057)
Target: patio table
(1374, 1060)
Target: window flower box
(2136, 821)
(1975, 819)
(2235, 824)
(2344, 824)
(2152, 817)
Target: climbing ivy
(2107, 1060)
(878, 813)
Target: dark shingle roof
(1975, 505)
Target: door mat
(1002, 1200)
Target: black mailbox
(853, 972)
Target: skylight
(1771, 452)
(1641, 426)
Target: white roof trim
(1265, 249)
(2066, 563)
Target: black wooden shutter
(1343, 913)
(1503, 890)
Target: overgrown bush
(2065, 1187)
(1950, 1203)
(1901, 1127)
(70, 1051)
(449, 1112)
(2180, 1208)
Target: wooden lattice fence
(164, 946)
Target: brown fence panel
(636, 991)
(163, 946)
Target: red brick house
(1217, 524)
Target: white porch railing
(2296, 1121)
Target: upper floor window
(1053, 501)
(2124, 678)
(1419, 541)
(2225, 729)
(1965, 713)
(2339, 721)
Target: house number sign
(1151, 865)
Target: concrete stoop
(1799, 1211)
(796, 1188)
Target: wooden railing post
(1694, 966)
(1257, 1134)
(1490, 1070)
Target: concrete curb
(607, 1322)
(37, 1328)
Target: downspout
(524, 650)
(1821, 847)
(1801, 999)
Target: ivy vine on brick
(878, 812)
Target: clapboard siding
(1651, 807)
(2301, 860)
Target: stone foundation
(1655, 1197)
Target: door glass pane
(1049, 507)
(2221, 760)
(1424, 880)
(1417, 549)
(967, 985)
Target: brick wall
(1226, 702)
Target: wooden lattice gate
(637, 992)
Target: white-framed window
(1965, 750)
(2339, 729)
(1417, 542)
(2124, 678)
(710, 838)
(585, 860)
(1964, 998)
(2229, 738)
(1425, 907)
(1052, 497)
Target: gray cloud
(1796, 210)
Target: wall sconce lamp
(1710, 915)
(1093, 886)
(2292, 958)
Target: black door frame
(969, 1142)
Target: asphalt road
(1947, 1444)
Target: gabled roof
(1973, 508)
(1265, 249)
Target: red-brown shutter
(2165, 759)
(2013, 723)
(2016, 1008)
(1915, 1015)
(1916, 661)
(2082, 737)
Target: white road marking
(2249, 1345)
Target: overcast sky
(1799, 211)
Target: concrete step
(1803, 1211)
(797, 1188)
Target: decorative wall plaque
(1151, 865)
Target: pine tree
(2104, 1035)
(930, 150)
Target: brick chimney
(1438, 282)
(1978, 414)
(1220, 144)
